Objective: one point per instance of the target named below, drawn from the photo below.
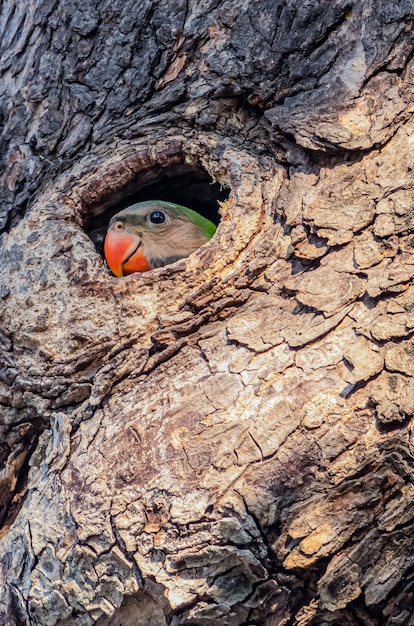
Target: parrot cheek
(136, 263)
(119, 246)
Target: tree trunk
(225, 440)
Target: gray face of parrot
(152, 234)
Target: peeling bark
(225, 440)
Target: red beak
(123, 253)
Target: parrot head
(152, 234)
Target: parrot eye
(118, 225)
(157, 217)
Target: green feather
(207, 228)
(136, 214)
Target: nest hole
(182, 184)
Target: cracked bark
(226, 440)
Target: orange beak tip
(118, 247)
(113, 257)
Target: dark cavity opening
(180, 183)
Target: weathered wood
(226, 440)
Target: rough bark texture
(226, 440)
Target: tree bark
(228, 439)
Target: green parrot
(152, 234)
